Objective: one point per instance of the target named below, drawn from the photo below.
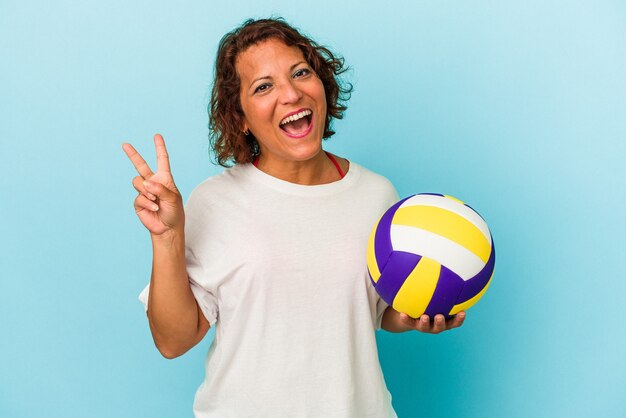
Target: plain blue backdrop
(516, 107)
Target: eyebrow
(267, 76)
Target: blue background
(518, 108)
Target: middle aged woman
(271, 251)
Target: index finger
(140, 164)
(163, 159)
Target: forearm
(172, 308)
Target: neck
(317, 170)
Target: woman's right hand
(159, 204)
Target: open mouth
(297, 124)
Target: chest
(297, 253)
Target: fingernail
(155, 207)
(150, 196)
(147, 183)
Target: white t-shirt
(279, 270)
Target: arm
(394, 321)
(176, 322)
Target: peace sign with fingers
(159, 203)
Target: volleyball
(431, 253)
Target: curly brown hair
(225, 113)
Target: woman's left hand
(395, 321)
(439, 324)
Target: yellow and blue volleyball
(431, 254)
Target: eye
(261, 88)
(302, 72)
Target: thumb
(160, 191)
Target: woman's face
(283, 101)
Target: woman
(271, 251)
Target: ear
(244, 124)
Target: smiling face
(283, 102)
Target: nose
(289, 92)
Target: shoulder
(218, 188)
(375, 182)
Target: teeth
(296, 116)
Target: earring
(246, 132)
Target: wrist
(168, 238)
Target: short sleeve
(143, 297)
(206, 300)
(381, 306)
